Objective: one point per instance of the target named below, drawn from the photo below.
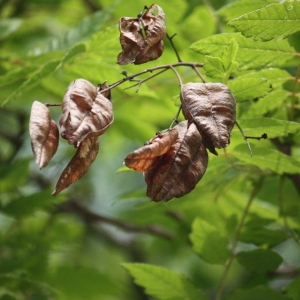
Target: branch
(150, 70)
(170, 38)
(90, 217)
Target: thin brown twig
(170, 38)
(150, 70)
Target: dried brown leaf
(143, 158)
(212, 107)
(43, 133)
(177, 172)
(86, 112)
(79, 164)
(141, 38)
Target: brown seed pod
(43, 133)
(79, 164)
(143, 158)
(141, 37)
(86, 112)
(177, 172)
(212, 107)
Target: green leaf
(273, 100)
(43, 71)
(85, 29)
(162, 283)
(75, 50)
(251, 54)
(213, 66)
(256, 232)
(257, 293)
(221, 67)
(260, 260)
(229, 55)
(81, 282)
(245, 89)
(292, 288)
(273, 127)
(208, 242)
(267, 159)
(275, 21)
(26, 205)
(8, 26)
(241, 7)
(277, 77)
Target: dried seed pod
(79, 164)
(211, 106)
(43, 133)
(86, 112)
(141, 37)
(177, 172)
(143, 158)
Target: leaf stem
(238, 231)
(245, 137)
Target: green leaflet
(257, 293)
(273, 127)
(26, 205)
(267, 159)
(277, 77)
(222, 67)
(275, 21)
(208, 242)
(163, 284)
(251, 54)
(271, 101)
(260, 260)
(241, 7)
(245, 89)
(292, 288)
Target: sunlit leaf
(267, 159)
(246, 89)
(273, 127)
(163, 284)
(262, 24)
(251, 54)
(241, 7)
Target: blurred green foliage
(235, 236)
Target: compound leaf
(275, 21)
